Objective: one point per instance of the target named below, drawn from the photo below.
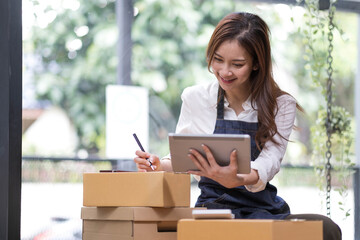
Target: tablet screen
(221, 146)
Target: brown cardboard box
(132, 223)
(235, 229)
(136, 189)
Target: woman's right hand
(143, 160)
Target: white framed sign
(127, 112)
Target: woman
(245, 99)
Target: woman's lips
(227, 80)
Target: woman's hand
(144, 159)
(227, 175)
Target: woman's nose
(225, 72)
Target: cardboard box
(136, 189)
(235, 229)
(132, 223)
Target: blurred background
(71, 57)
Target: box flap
(107, 213)
(118, 228)
(136, 213)
(298, 230)
(161, 214)
(172, 183)
(146, 230)
(190, 229)
(103, 236)
(98, 187)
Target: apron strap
(220, 105)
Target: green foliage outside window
(74, 47)
(76, 55)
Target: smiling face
(232, 66)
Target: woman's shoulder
(286, 103)
(286, 98)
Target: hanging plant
(331, 135)
(341, 141)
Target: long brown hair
(252, 33)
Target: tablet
(221, 145)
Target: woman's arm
(166, 164)
(269, 161)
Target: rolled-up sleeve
(269, 161)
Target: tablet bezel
(221, 146)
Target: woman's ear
(255, 67)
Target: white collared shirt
(198, 116)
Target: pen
(142, 149)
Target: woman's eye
(217, 59)
(238, 65)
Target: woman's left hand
(208, 167)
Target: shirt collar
(246, 105)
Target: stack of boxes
(134, 205)
(155, 205)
